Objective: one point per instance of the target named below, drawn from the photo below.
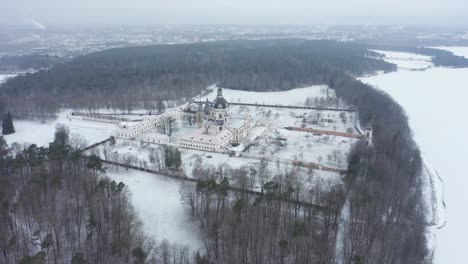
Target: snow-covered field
(158, 203)
(405, 60)
(42, 133)
(281, 117)
(326, 150)
(291, 97)
(140, 157)
(436, 103)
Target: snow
(32, 132)
(4, 77)
(290, 97)
(436, 103)
(304, 147)
(42, 133)
(157, 201)
(408, 61)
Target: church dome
(220, 102)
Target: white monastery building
(131, 130)
(217, 127)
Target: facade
(202, 141)
(155, 138)
(240, 127)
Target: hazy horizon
(451, 13)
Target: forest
(126, 78)
(57, 206)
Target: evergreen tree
(177, 159)
(62, 135)
(78, 258)
(7, 124)
(160, 105)
(168, 157)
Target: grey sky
(407, 12)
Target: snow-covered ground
(405, 60)
(323, 149)
(42, 133)
(4, 77)
(291, 97)
(140, 153)
(436, 103)
(281, 117)
(157, 201)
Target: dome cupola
(220, 102)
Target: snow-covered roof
(237, 122)
(200, 137)
(220, 102)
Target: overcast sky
(404, 12)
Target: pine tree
(7, 124)
(160, 105)
(78, 258)
(168, 159)
(177, 159)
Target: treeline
(57, 207)
(242, 228)
(136, 77)
(387, 215)
(439, 57)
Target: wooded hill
(136, 76)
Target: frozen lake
(436, 101)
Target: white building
(218, 128)
(202, 141)
(155, 138)
(130, 130)
(240, 127)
